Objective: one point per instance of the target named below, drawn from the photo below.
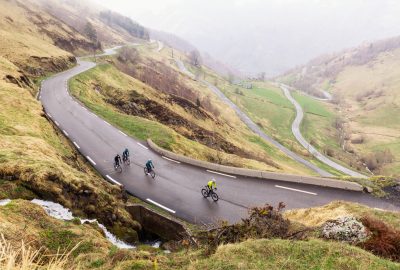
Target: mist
(271, 36)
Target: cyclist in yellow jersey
(212, 184)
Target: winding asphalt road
(177, 186)
(296, 132)
(295, 129)
(253, 126)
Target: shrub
(360, 139)
(384, 240)
(263, 222)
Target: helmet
(149, 160)
(213, 180)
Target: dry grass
(316, 216)
(34, 154)
(25, 257)
(21, 38)
(232, 129)
(107, 78)
(284, 254)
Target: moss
(83, 247)
(97, 263)
(58, 240)
(15, 190)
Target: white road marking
(161, 206)
(107, 123)
(142, 145)
(50, 115)
(77, 146)
(123, 133)
(91, 160)
(298, 190)
(57, 123)
(66, 133)
(171, 159)
(232, 176)
(380, 209)
(113, 180)
(40, 97)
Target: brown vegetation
(376, 160)
(139, 105)
(384, 241)
(160, 77)
(329, 66)
(262, 222)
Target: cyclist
(149, 166)
(125, 154)
(211, 185)
(117, 160)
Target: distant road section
(296, 132)
(253, 126)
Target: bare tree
(90, 32)
(195, 58)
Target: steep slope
(26, 29)
(193, 120)
(112, 28)
(364, 82)
(33, 154)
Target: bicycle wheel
(204, 192)
(153, 174)
(118, 168)
(145, 171)
(214, 196)
(128, 161)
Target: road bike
(206, 192)
(152, 172)
(126, 160)
(117, 167)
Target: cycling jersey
(211, 185)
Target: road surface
(296, 132)
(176, 188)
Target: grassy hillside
(365, 110)
(279, 254)
(112, 28)
(234, 145)
(35, 159)
(27, 31)
(70, 245)
(267, 106)
(316, 216)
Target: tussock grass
(285, 254)
(25, 257)
(316, 216)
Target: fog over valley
(271, 36)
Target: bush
(384, 240)
(263, 222)
(360, 139)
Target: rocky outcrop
(346, 229)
